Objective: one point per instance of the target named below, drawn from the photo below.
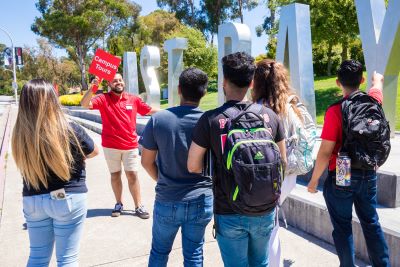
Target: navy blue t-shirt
(77, 182)
(169, 132)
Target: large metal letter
(130, 73)
(380, 35)
(149, 61)
(174, 48)
(295, 51)
(232, 37)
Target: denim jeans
(339, 201)
(52, 221)
(192, 217)
(243, 240)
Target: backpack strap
(233, 111)
(252, 108)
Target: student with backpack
(355, 142)
(272, 89)
(248, 147)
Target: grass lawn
(326, 93)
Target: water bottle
(343, 169)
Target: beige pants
(114, 157)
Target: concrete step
(388, 185)
(91, 125)
(94, 115)
(308, 213)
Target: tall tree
(185, 10)
(78, 25)
(239, 5)
(214, 13)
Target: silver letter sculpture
(149, 61)
(294, 49)
(174, 48)
(232, 37)
(130, 73)
(380, 35)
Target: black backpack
(366, 132)
(252, 162)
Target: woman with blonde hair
(50, 152)
(271, 87)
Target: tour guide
(118, 111)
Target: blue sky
(17, 17)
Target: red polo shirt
(118, 114)
(332, 129)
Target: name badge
(129, 107)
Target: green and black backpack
(252, 161)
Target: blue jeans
(192, 216)
(243, 240)
(52, 221)
(339, 201)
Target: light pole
(14, 84)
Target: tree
(240, 5)
(332, 23)
(41, 62)
(78, 25)
(199, 53)
(214, 13)
(185, 10)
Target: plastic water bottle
(343, 170)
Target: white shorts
(114, 157)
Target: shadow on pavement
(317, 242)
(105, 213)
(98, 213)
(287, 263)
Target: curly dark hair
(193, 83)
(239, 68)
(350, 74)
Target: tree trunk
(329, 70)
(241, 11)
(192, 17)
(82, 67)
(345, 47)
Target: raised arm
(86, 100)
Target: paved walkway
(125, 241)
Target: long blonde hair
(271, 84)
(42, 136)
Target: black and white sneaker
(117, 210)
(142, 213)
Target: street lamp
(14, 84)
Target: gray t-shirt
(169, 131)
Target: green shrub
(70, 100)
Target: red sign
(104, 65)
